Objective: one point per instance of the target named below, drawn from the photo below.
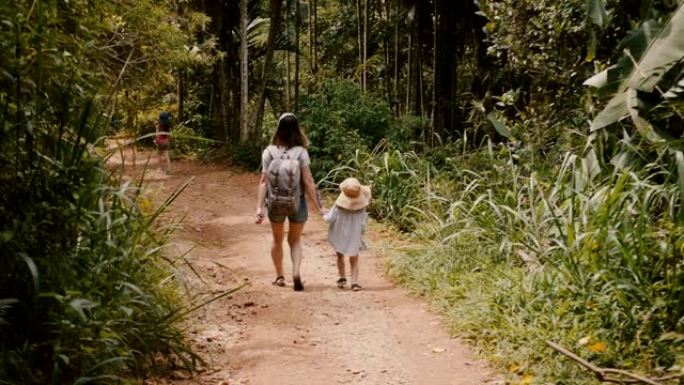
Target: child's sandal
(356, 287)
(279, 281)
(341, 283)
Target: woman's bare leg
(294, 237)
(167, 158)
(278, 230)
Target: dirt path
(266, 335)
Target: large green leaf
(499, 125)
(597, 13)
(663, 53)
(614, 111)
(636, 42)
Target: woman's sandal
(280, 281)
(297, 283)
(356, 287)
(341, 283)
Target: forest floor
(263, 334)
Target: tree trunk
(244, 72)
(365, 46)
(296, 80)
(276, 8)
(315, 36)
(311, 32)
(360, 39)
(397, 103)
(288, 66)
(409, 73)
(447, 52)
(181, 95)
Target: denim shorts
(299, 217)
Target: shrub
(339, 120)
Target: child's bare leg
(354, 262)
(340, 265)
(342, 281)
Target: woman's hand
(259, 215)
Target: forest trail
(264, 334)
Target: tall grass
(85, 294)
(589, 256)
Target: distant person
(348, 221)
(162, 140)
(286, 176)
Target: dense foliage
(532, 149)
(535, 224)
(84, 295)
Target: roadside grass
(587, 256)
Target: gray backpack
(284, 180)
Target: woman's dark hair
(289, 134)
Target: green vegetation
(531, 149)
(85, 295)
(530, 223)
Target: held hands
(259, 215)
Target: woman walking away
(286, 176)
(162, 139)
(348, 220)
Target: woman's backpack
(284, 180)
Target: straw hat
(354, 196)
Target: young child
(348, 221)
(162, 139)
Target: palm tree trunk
(276, 8)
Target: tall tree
(275, 15)
(244, 72)
(297, 24)
(360, 38)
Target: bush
(339, 121)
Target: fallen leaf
(597, 347)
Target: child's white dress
(346, 228)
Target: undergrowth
(587, 255)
